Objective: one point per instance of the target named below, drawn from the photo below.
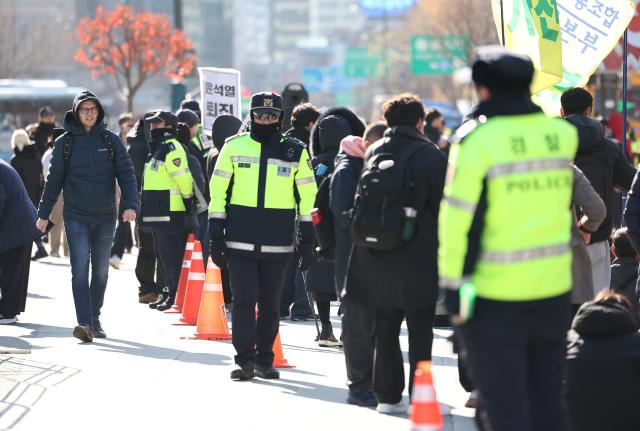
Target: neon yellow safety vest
(523, 163)
(269, 183)
(167, 181)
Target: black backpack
(66, 149)
(378, 216)
(323, 224)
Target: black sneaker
(363, 398)
(302, 318)
(267, 372)
(40, 254)
(161, 298)
(167, 304)
(244, 372)
(327, 339)
(83, 333)
(8, 320)
(98, 332)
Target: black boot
(267, 372)
(244, 372)
(161, 298)
(167, 304)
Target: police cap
(266, 100)
(169, 119)
(503, 71)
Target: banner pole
(502, 21)
(625, 91)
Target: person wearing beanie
(505, 255)
(168, 206)
(85, 163)
(27, 162)
(199, 138)
(262, 183)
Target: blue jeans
(89, 242)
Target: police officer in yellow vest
(262, 183)
(505, 248)
(167, 205)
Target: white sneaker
(8, 320)
(392, 409)
(54, 254)
(114, 261)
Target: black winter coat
(29, 166)
(406, 278)
(357, 127)
(603, 369)
(89, 183)
(604, 165)
(344, 183)
(138, 150)
(624, 277)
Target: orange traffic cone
(195, 283)
(425, 410)
(279, 361)
(212, 318)
(184, 275)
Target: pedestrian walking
(606, 168)
(603, 366)
(57, 234)
(261, 181)
(505, 239)
(358, 319)
(223, 127)
(394, 227)
(43, 130)
(167, 204)
(147, 270)
(86, 161)
(26, 161)
(17, 232)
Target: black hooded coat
(224, 127)
(603, 369)
(89, 182)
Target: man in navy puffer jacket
(94, 158)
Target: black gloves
(191, 218)
(452, 301)
(304, 246)
(217, 246)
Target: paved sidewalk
(145, 375)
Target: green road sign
(438, 55)
(363, 63)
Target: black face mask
(264, 132)
(161, 133)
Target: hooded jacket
(603, 369)
(138, 150)
(624, 277)
(604, 165)
(89, 183)
(357, 128)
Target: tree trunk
(130, 97)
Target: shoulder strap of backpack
(109, 142)
(66, 151)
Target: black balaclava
(264, 132)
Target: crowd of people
(511, 221)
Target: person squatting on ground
(167, 205)
(505, 239)
(86, 161)
(252, 225)
(394, 266)
(358, 319)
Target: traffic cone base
(425, 410)
(212, 318)
(279, 361)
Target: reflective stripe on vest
(223, 174)
(245, 246)
(156, 219)
(527, 167)
(524, 255)
(460, 204)
(222, 216)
